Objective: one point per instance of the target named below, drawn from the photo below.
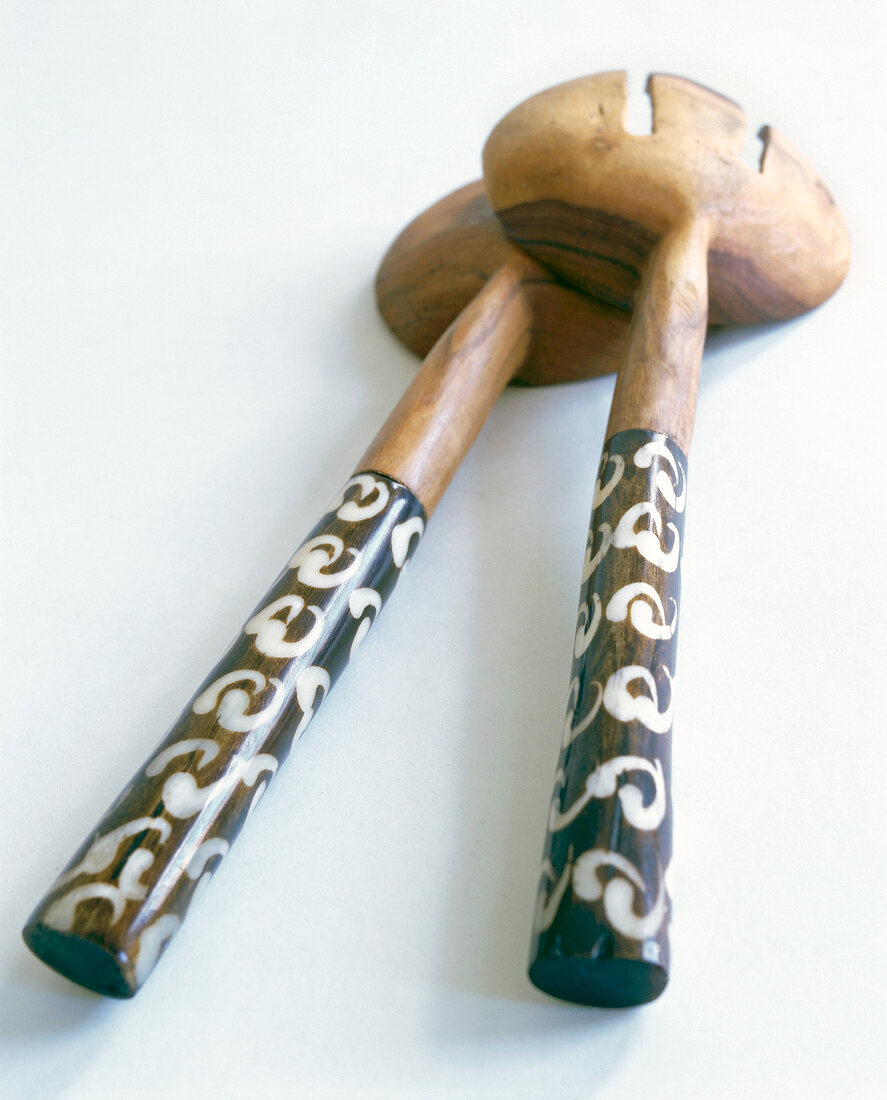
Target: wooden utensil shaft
(601, 929)
(111, 913)
(109, 916)
(656, 386)
(439, 416)
(600, 934)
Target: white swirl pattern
(648, 543)
(630, 601)
(314, 557)
(310, 682)
(602, 783)
(215, 846)
(271, 631)
(359, 602)
(152, 941)
(619, 893)
(372, 499)
(572, 727)
(589, 620)
(401, 536)
(231, 708)
(60, 914)
(206, 750)
(601, 492)
(103, 851)
(549, 899)
(182, 797)
(627, 707)
(674, 491)
(593, 558)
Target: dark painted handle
(108, 917)
(601, 930)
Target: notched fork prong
(680, 104)
(779, 158)
(609, 106)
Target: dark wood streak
(600, 253)
(443, 260)
(570, 241)
(741, 295)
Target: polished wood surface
(657, 385)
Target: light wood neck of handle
(439, 416)
(656, 387)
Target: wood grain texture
(438, 418)
(657, 385)
(445, 257)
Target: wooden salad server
(453, 286)
(675, 225)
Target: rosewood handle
(601, 928)
(112, 912)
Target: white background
(195, 196)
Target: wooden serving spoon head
(589, 200)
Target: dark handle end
(604, 982)
(89, 963)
